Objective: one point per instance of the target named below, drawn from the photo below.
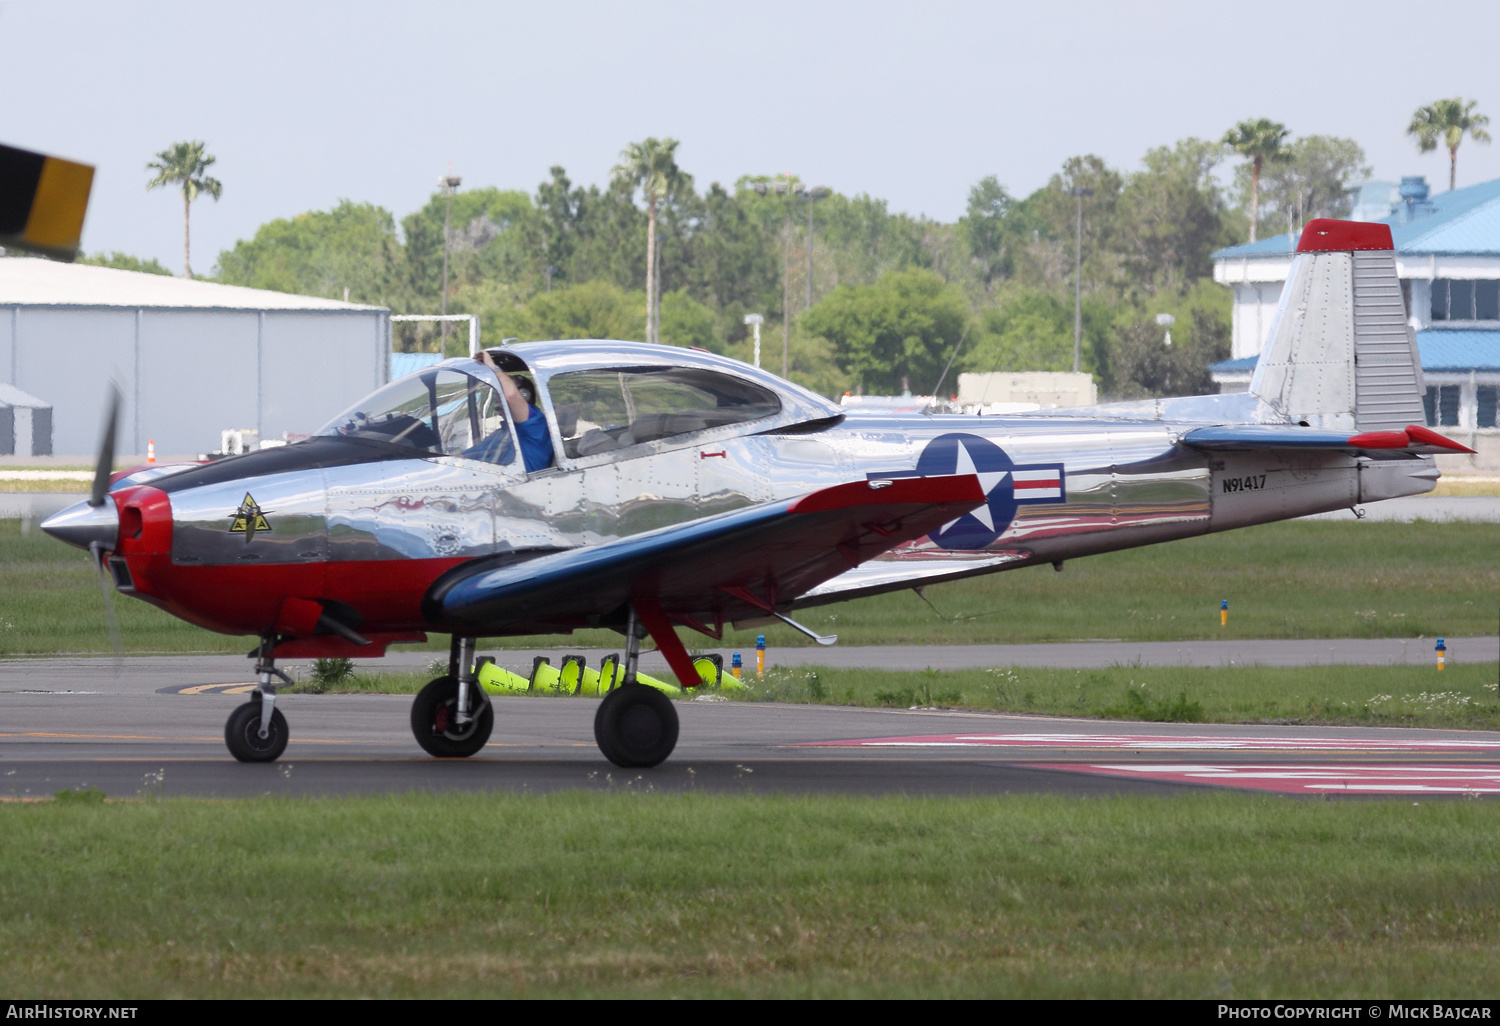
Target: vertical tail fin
(1341, 354)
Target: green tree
(1447, 121)
(562, 210)
(595, 309)
(494, 234)
(687, 322)
(990, 229)
(865, 239)
(1314, 179)
(184, 164)
(1144, 365)
(1262, 141)
(1051, 215)
(125, 262)
(1030, 331)
(352, 247)
(732, 265)
(895, 335)
(1171, 218)
(651, 166)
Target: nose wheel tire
(636, 726)
(242, 734)
(434, 720)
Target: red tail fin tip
(1326, 235)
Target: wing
(731, 566)
(1415, 440)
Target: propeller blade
(106, 464)
(96, 549)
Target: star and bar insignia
(1007, 485)
(249, 519)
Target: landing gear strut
(452, 716)
(256, 731)
(636, 725)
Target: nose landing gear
(242, 733)
(256, 731)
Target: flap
(892, 574)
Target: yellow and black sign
(249, 519)
(42, 202)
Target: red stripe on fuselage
(247, 599)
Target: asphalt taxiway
(172, 744)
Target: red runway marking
(1169, 742)
(1308, 779)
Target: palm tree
(651, 166)
(1261, 140)
(185, 163)
(1448, 120)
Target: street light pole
(449, 183)
(754, 320)
(783, 186)
(814, 194)
(1080, 193)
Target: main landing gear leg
(636, 725)
(256, 731)
(452, 716)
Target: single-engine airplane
(687, 489)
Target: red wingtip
(1420, 434)
(1325, 235)
(957, 488)
(1380, 440)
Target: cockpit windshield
(438, 411)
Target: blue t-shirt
(536, 442)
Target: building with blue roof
(1448, 259)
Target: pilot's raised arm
(531, 426)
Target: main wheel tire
(636, 726)
(242, 734)
(434, 711)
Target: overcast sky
(305, 103)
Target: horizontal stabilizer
(1415, 439)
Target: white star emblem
(987, 481)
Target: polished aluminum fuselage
(374, 534)
(1126, 482)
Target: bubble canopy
(443, 410)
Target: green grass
(1290, 580)
(47, 485)
(1464, 696)
(634, 894)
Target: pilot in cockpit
(531, 426)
